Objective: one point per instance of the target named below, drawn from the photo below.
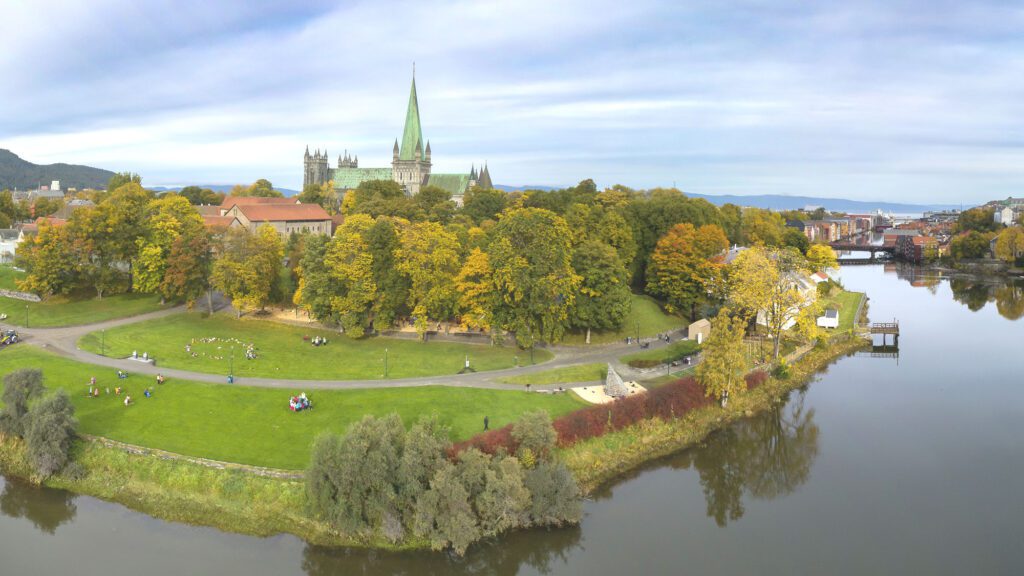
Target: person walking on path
(487, 423)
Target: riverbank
(602, 459)
(237, 500)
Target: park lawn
(65, 311)
(846, 303)
(254, 426)
(282, 352)
(564, 375)
(673, 351)
(645, 312)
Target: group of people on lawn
(94, 390)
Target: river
(886, 464)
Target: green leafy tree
(48, 261)
(534, 432)
(762, 226)
(168, 219)
(121, 178)
(392, 285)
(980, 219)
(201, 196)
(20, 387)
(247, 266)
(603, 300)
(534, 282)
(188, 271)
(444, 515)
(51, 428)
(723, 363)
(484, 204)
(555, 496)
(1010, 244)
(261, 188)
(971, 245)
(350, 265)
(795, 239)
(504, 502)
(423, 456)
(369, 461)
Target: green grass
(565, 375)
(673, 351)
(254, 425)
(282, 352)
(63, 311)
(643, 310)
(846, 303)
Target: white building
(1004, 216)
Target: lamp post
(231, 364)
(636, 323)
(103, 342)
(385, 363)
(26, 315)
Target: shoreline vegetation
(241, 501)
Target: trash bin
(231, 379)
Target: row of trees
(46, 422)
(379, 480)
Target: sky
(915, 101)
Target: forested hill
(18, 174)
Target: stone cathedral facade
(410, 164)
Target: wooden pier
(885, 329)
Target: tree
(168, 219)
(20, 387)
(444, 515)
(51, 428)
(971, 245)
(350, 267)
(434, 204)
(48, 261)
(423, 456)
(762, 226)
(200, 196)
(980, 219)
(260, 188)
(323, 194)
(686, 265)
(484, 204)
(821, 257)
(555, 495)
(534, 432)
(602, 302)
(429, 257)
(476, 291)
(723, 363)
(369, 459)
(795, 239)
(762, 284)
(392, 285)
(248, 265)
(504, 500)
(188, 271)
(121, 178)
(534, 282)
(1010, 244)
(732, 222)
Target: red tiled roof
(208, 210)
(284, 212)
(214, 221)
(253, 200)
(922, 240)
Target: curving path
(63, 341)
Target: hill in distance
(19, 174)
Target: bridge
(872, 248)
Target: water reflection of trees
(767, 456)
(47, 509)
(976, 293)
(542, 550)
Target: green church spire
(413, 134)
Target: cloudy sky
(901, 100)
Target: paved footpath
(63, 341)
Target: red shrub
(755, 379)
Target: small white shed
(830, 319)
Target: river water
(886, 464)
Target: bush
(533, 432)
(443, 514)
(51, 428)
(781, 370)
(20, 387)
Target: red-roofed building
(285, 218)
(917, 249)
(232, 201)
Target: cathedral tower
(410, 163)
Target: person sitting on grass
(127, 400)
(159, 378)
(148, 393)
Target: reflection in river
(767, 456)
(46, 509)
(976, 293)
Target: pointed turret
(472, 172)
(356, 162)
(412, 136)
(485, 178)
(428, 149)
(418, 152)
(307, 150)
(396, 149)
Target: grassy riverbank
(242, 501)
(251, 425)
(602, 459)
(217, 344)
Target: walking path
(63, 341)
